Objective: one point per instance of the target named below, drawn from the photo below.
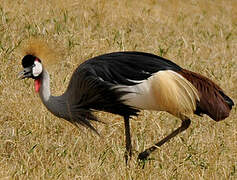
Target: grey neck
(55, 104)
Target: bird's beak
(26, 73)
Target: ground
(199, 35)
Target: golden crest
(44, 49)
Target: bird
(124, 83)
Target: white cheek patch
(37, 69)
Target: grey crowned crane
(124, 83)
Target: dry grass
(198, 35)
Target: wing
(93, 85)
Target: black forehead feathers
(28, 60)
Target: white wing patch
(140, 95)
(37, 69)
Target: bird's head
(32, 69)
(33, 50)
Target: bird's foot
(143, 158)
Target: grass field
(200, 35)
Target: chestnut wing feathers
(213, 101)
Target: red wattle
(37, 85)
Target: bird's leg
(185, 124)
(128, 151)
